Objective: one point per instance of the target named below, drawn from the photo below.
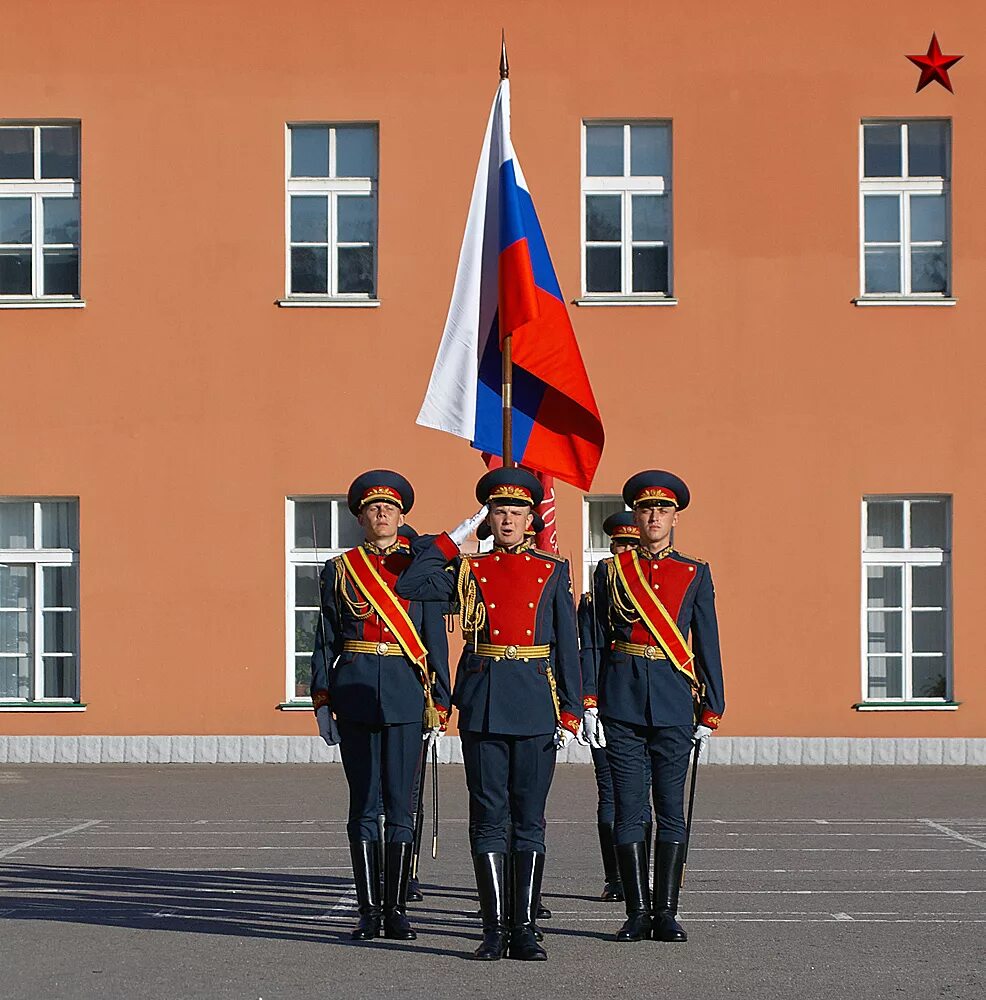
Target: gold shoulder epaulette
(694, 559)
(550, 555)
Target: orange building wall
(182, 406)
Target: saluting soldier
(623, 533)
(518, 691)
(371, 670)
(660, 690)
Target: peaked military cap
(517, 486)
(380, 484)
(656, 488)
(622, 527)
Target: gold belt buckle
(510, 652)
(651, 652)
(383, 648)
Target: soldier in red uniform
(519, 694)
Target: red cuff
(710, 719)
(446, 546)
(590, 701)
(443, 714)
(570, 722)
(319, 698)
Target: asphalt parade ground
(234, 882)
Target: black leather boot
(649, 840)
(414, 893)
(542, 912)
(525, 890)
(669, 859)
(366, 873)
(632, 859)
(613, 889)
(396, 872)
(492, 886)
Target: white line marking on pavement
(954, 834)
(344, 904)
(37, 840)
(123, 848)
(842, 916)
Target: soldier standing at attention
(519, 695)
(658, 695)
(623, 533)
(370, 668)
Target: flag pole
(508, 368)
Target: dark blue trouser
(606, 805)
(380, 760)
(508, 779)
(632, 750)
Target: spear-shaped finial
(504, 65)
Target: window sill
(41, 706)
(295, 706)
(327, 303)
(901, 300)
(626, 300)
(42, 303)
(906, 706)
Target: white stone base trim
(758, 750)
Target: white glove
(461, 532)
(701, 737)
(562, 738)
(432, 734)
(327, 728)
(591, 730)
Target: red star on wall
(934, 66)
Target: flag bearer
(519, 694)
(371, 671)
(659, 691)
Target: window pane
(927, 217)
(310, 219)
(59, 524)
(60, 152)
(357, 221)
(926, 144)
(61, 631)
(309, 270)
(61, 272)
(602, 269)
(928, 631)
(15, 272)
(928, 525)
(61, 220)
(356, 269)
(17, 525)
(928, 677)
(650, 150)
(885, 677)
(881, 218)
(350, 533)
(16, 153)
(16, 587)
(884, 524)
(881, 150)
(599, 510)
(929, 269)
(884, 631)
(15, 632)
(356, 151)
(61, 673)
(304, 513)
(882, 269)
(302, 676)
(15, 677)
(602, 217)
(306, 586)
(60, 586)
(604, 150)
(305, 623)
(928, 586)
(15, 220)
(883, 587)
(650, 269)
(650, 217)
(309, 151)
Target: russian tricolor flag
(505, 284)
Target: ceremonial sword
(691, 809)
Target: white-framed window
(626, 209)
(906, 606)
(331, 211)
(904, 208)
(39, 600)
(39, 211)
(316, 528)
(595, 541)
